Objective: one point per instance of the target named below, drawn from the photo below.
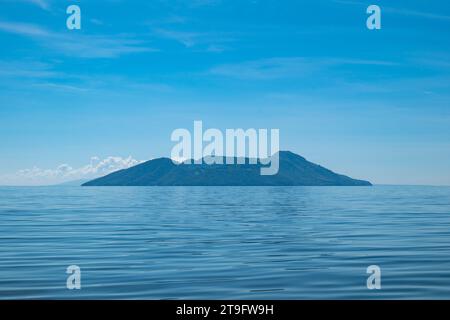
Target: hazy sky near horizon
(374, 105)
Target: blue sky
(371, 104)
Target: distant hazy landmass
(294, 171)
(73, 183)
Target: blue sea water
(225, 243)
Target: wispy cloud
(26, 69)
(420, 14)
(43, 4)
(202, 3)
(96, 22)
(402, 11)
(65, 172)
(188, 39)
(191, 3)
(26, 75)
(264, 68)
(60, 87)
(24, 29)
(285, 67)
(99, 46)
(78, 44)
(209, 41)
(439, 61)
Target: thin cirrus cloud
(285, 67)
(78, 45)
(188, 39)
(28, 74)
(31, 74)
(191, 3)
(404, 12)
(426, 15)
(201, 3)
(64, 172)
(211, 41)
(43, 4)
(26, 70)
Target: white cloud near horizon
(65, 173)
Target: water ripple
(225, 243)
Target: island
(294, 170)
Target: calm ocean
(225, 242)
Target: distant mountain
(294, 171)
